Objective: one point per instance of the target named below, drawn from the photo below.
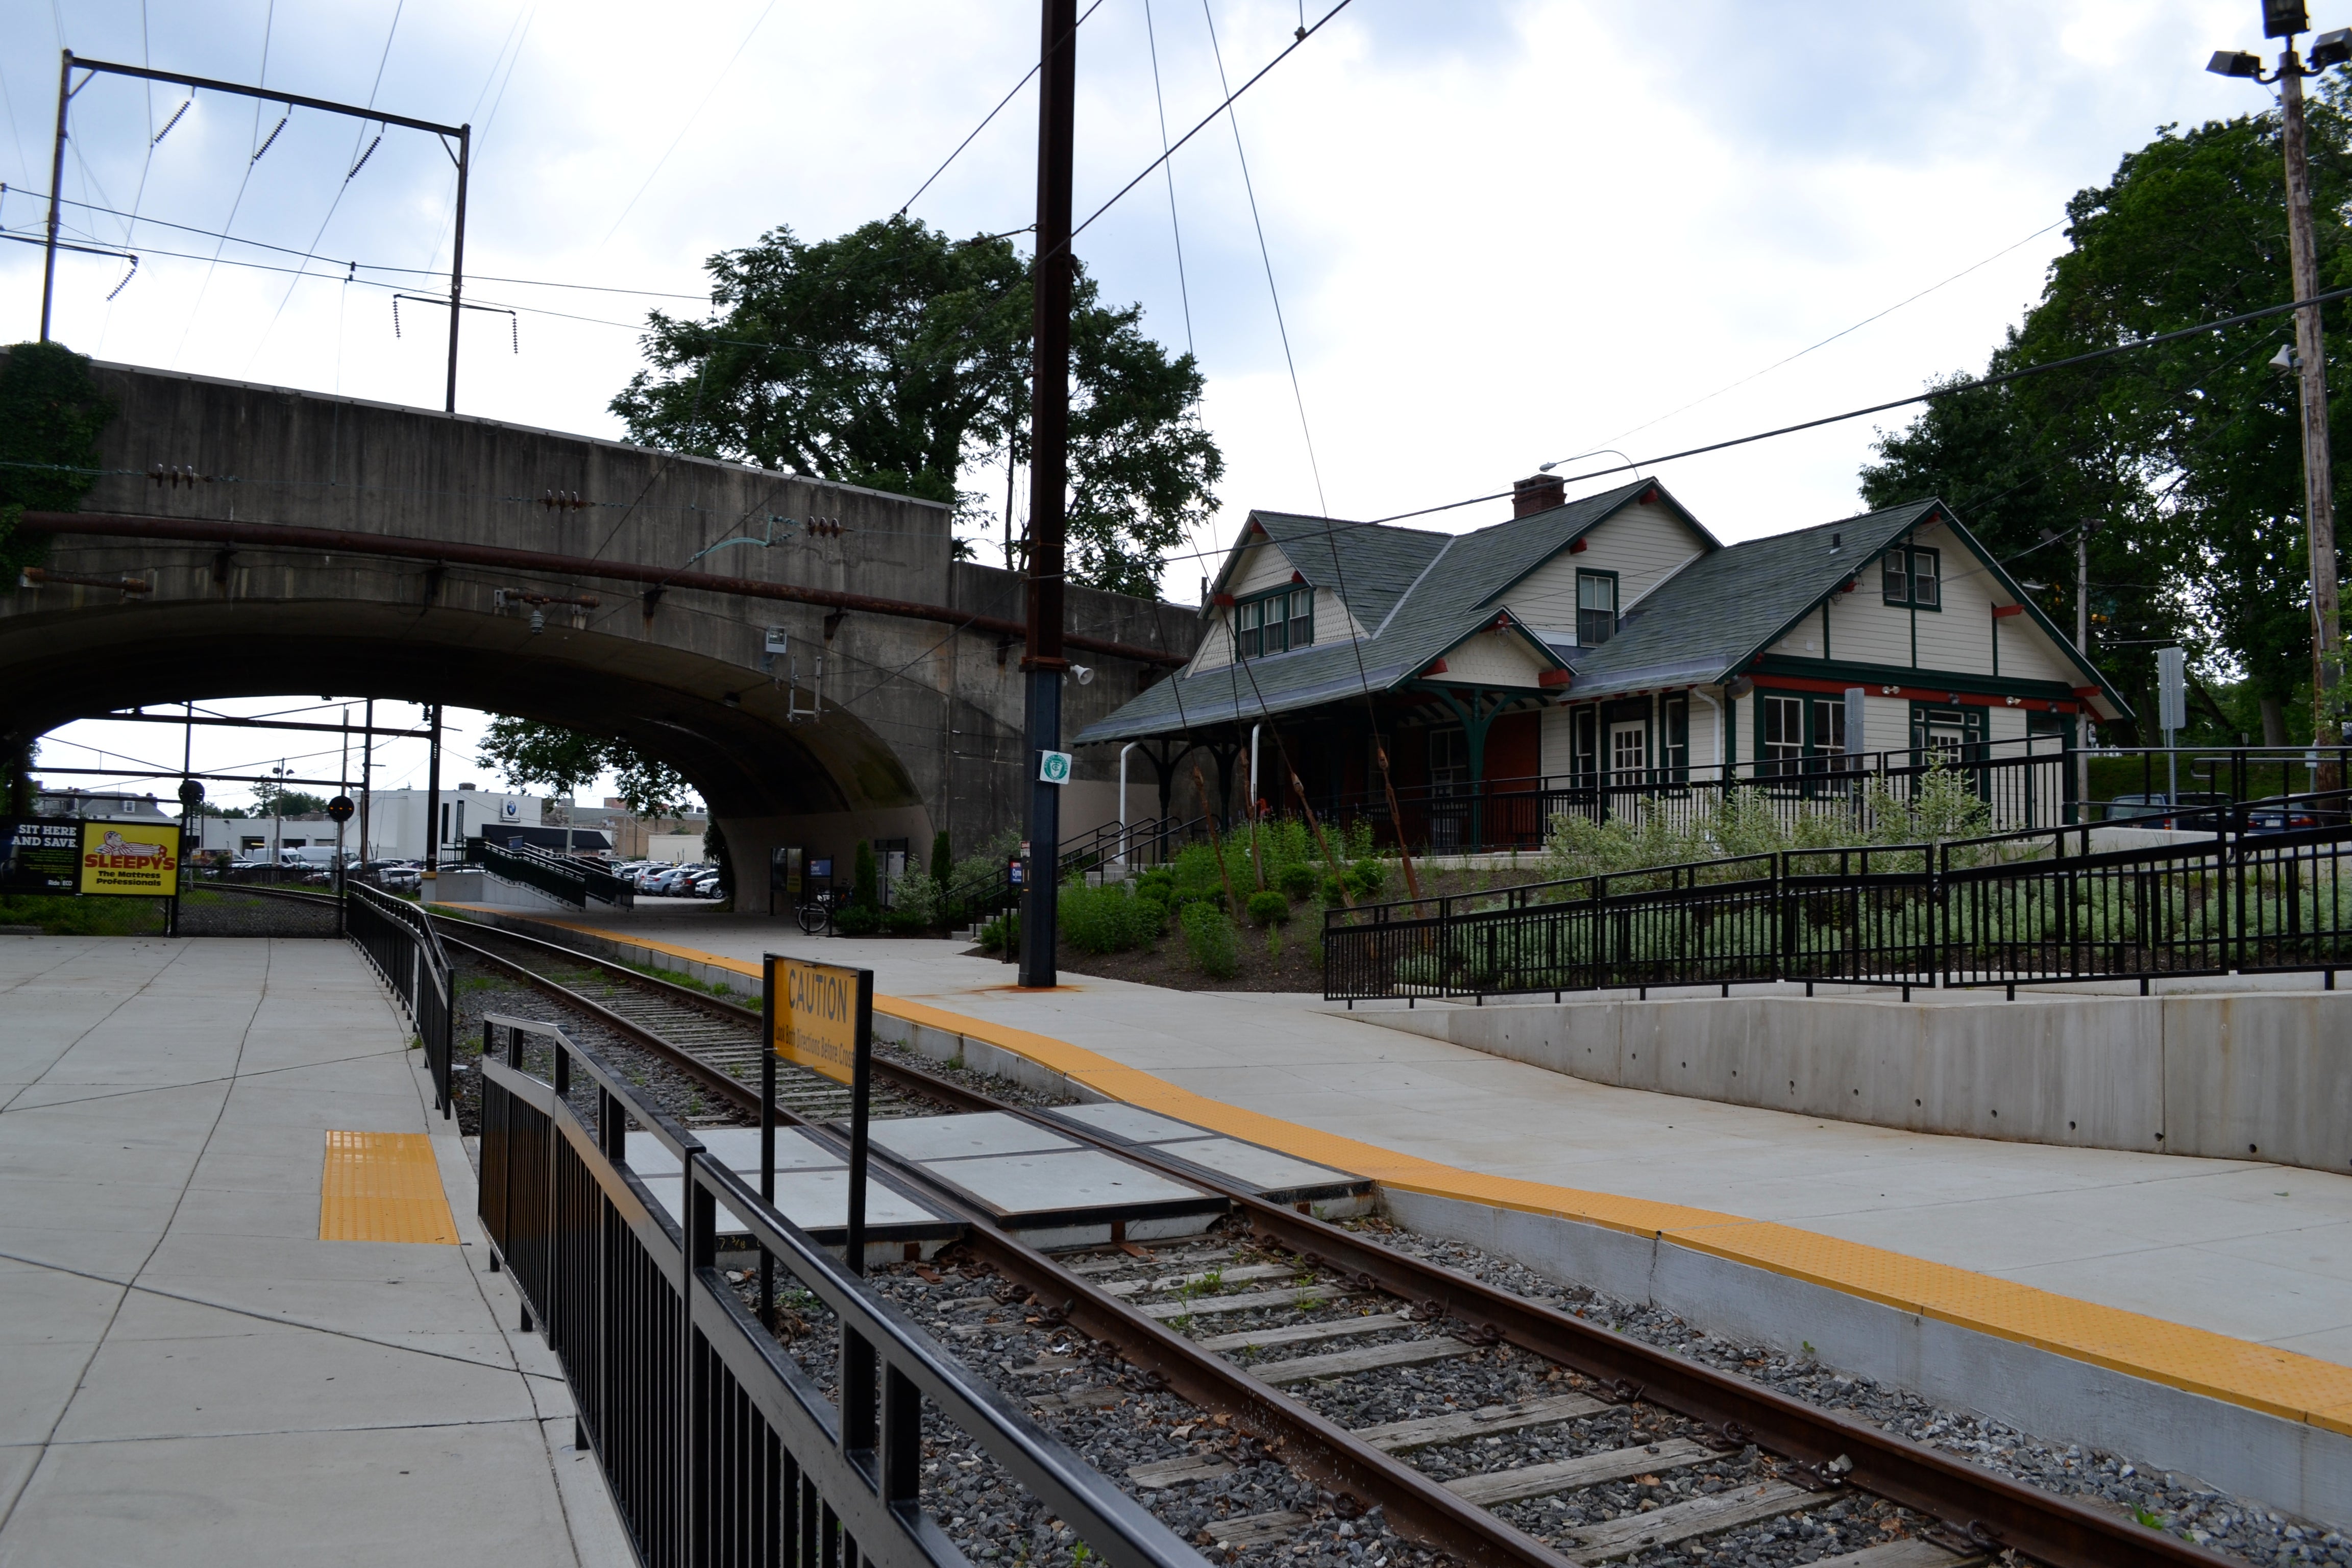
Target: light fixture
(2235, 62)
(1084, 674)
(2284, 18)
(2331, 48)
(538, 622)
(2286, 359)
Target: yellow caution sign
(819, 1013)
(131, 859)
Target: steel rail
(1992, 1512)
(346, 541)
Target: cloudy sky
(1501, 233)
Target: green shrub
(1002, 934)
(1298, 880)
(864, 887)
(1109, 918)
(1214, 946)
(918, 899)
(1369, 876)
(905, 922)
(1159, 881)
(1331, 892)
(942, 861)
(1268, 908)
(857, 919)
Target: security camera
(1083, 673)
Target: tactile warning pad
(384, 1187)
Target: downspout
(1252, 772)
(1122, 799)
(1711, 702)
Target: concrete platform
(188, 1374)
(1048, 1190)
(2194, 1311)
(812, 1189)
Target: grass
(69, 916)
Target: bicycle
(815, 913)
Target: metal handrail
(385, 931)
(782, 1440)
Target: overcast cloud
(1502, 234)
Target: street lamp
(2284, 19)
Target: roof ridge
(1404, 598)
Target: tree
(50, 416)
(896, 358)
(2188, 455)
(269, 800)
(527, 752)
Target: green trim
(1708, 540)
(1904, 674)
(1911, 573)
(1282, 592)
(1616, 602)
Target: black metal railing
(569, 880)
(2009, 909)
(1133, 845)
(719, 1447)
(2031, 782)
(399, 940)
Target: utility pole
(1049, 438)
(2083, 646)
(57, 179)
(432, 815)
(2283, 20)
(2318, 482)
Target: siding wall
(1262, 568)
(1493, 659)
(1865, 629)
(1642, 544)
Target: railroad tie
(1721, 1511)
(1585, 1470)
(1306, 1333)
(1340, 1364)
(1425, 1431)
(1166, 1473)
(1255, 1528)
(1247, 1301)
(1911, 1551)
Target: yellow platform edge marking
(2283, 1384)
(384, 1187)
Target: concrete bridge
(290, 542)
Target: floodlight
(2284, 18)
(2286, 359)
(2235, 62)
(2331, 48)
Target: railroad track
(1611, 1450)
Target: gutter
(343, 541)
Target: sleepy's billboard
(131, 859)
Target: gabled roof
(1416, 593)
(1702, 625)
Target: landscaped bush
(1268, 908)
(865, 887)
(1298, 880)
(857, 919)
(904, 923)
(1214, 946)
(1368, 878)
(917, 899)
(1002, 934)
(1110, 918)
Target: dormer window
(1909, 575)
(1274, 623)
(1596, 607)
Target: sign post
(820, 1017)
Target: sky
(1499, 234)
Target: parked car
(707, 886)
(676, 883)
(2289, 818)
(2194, 810)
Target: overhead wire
(712, 92)
(1160, 101)
(268, 24)
(985, 119)
(375, 87)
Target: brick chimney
(1538, 492)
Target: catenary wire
(709, 93)
(268, 24)
(1183, 292)
(985, 119)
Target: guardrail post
(696, 1251)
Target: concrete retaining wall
(2260, 1074)
(2296, 1468)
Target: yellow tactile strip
(384, 1187)
(2278, 1382)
